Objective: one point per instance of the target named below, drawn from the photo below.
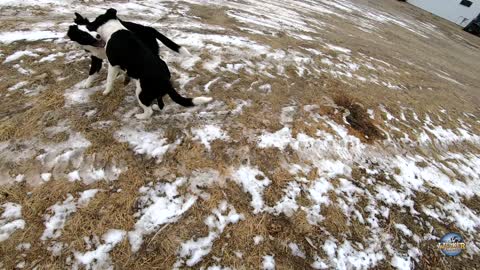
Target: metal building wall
(451, 10)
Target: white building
(461, 12)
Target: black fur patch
(111, 14)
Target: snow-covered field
(342, 135)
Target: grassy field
(342, 135)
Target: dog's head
(83, 38)
(111, 14)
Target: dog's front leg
(112, 74)
(95, 67)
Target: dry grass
(26, 117)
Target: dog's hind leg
(143, 102)
(95, 67)
(112, 74)
(160, 105)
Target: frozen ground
(343, 135)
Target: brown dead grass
(112, 209)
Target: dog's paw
(87, 83)
(106, 92)
(155, 107)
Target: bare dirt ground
(343, 135)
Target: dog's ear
(112, 12)
(80, 20)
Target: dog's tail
(186, 102)
(170, 44)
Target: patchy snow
(287, 204)
(296, 251)
(319, 263)
(23, 247)
(449, 79)
(338, 48)
(279, 139)
(51, 57)
(22, 70)
(60, 212)
(9, 37)
(55, 222)
(79, 95)
(268, 262)
(19, 54)
(10, 220)
(344, 256)
(18, 86)
(100, 258)
(160, 205)
(257, 239)
(46, 176)
(151, 144)
(86, 196)
(323, 163)
(401, 263)
(192, 251)
(252, 181)
(209, 133)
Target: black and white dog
(126, 51)
(95, 46)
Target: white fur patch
(201, 100)
(110, 27)
(89, 81)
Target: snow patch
(9, 37)
(268, 262)
(209, 133)
(10, 220)
(17, 55)
(280, 139)
(160, 205)
(60, 212)
(146, 143)
(252, 181)
(192, 251)
(100, 258)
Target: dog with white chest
(96, 46)
(126, 51)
